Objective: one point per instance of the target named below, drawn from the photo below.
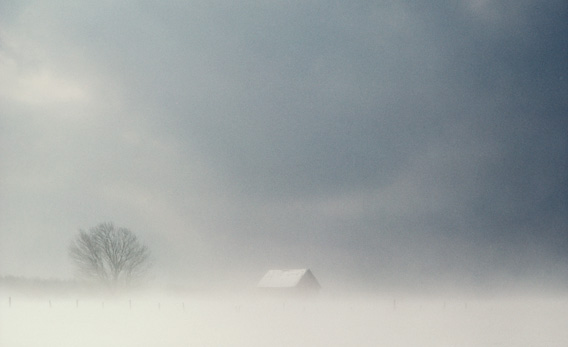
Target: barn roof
(284, 278)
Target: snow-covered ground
(385, 321)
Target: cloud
(377, 141)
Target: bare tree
(110, 256)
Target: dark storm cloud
(383, 139)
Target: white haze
(412, 154)
(390, 320)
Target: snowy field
(516, 321)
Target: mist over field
(517, 320)
(402, 151)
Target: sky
(383, 144)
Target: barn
(295, 282)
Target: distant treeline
(41, 286)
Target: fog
(515, 320)
(393, 147)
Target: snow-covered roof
(282, 278)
